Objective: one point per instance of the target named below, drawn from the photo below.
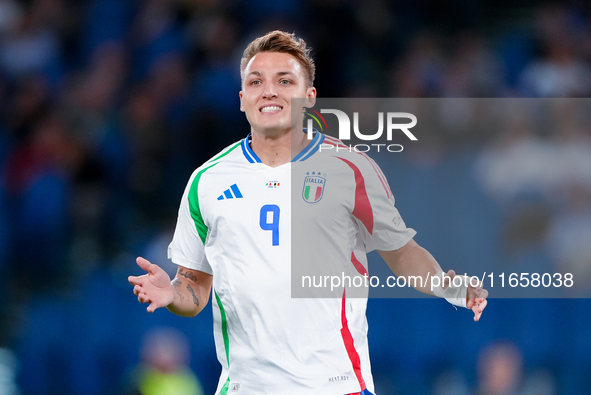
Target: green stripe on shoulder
(194, 204)
(224, 153)
(194, 194)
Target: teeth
(270, 108)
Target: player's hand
(476, 300)
(153, 287)
(475, 296)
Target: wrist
(456, 291)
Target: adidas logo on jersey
(231, 193)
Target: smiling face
(270, 81)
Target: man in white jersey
(234, 240)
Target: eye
(255, 82)
(285, 82)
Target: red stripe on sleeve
(362, 210)
(337, 143)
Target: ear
(241, 104)
(311, 97)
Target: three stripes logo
(231, 193)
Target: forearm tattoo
(195, 300)
(187, 275)
(176, 283)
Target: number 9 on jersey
(270, 221)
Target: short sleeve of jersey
(380, 224)
(187, 248)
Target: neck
(276, 150)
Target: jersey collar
(307, 152)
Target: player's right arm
(192, 289)
(186, 295)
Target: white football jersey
(247, 224)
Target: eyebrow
(258, 73)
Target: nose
(269, 92)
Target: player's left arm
(414, 260)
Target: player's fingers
(473, 303)
(143, 298)
(136, 290)
(135, 280)
(145, 264)
(477, 316)
(477, 312)
(152, 307)
(477, 293)
(483, 304)
(478, 308)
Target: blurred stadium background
(108, 106)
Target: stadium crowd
(108, 106)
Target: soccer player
(234, 236)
